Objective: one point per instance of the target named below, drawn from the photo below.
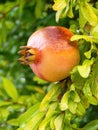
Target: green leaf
(76, 78)
(49, 114)
(80, 109)
(58, 122)
(88, 13)
(5, 103)
(59, 4)
(84, 70)
(9, 24)
(92, 100)
(82, 20)
(52, 126)
(4, 8)
(85, 101)
(4, 113)
(38, 80)
(94, 87)
(70, 11)
(74, 96)
(51, 95)
(67, 126)
(88, 54)
(64, 101)
(58, 14)
(21, 5)
(28, 114)
(85, 37)
(95, 69)
(87, 89)
(39, 8)
(89, 93)
(93, 125)
(10, 89)
(94, 32)
(34, 122)
(13, 122)
(4, 30)
(72, 106)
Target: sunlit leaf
(59, 4)
(23, 118)
(94, 32)
(88, 13)
(74, 96)
(58, 122)
(34, 122)
(85, 37)
(84, 70)
(88, 54)
(92, 100)
(64, 101)
(82, 20)
(55, 90)
(10, 88)
(28, 114)
(58, 14)
(51, 111)
(80, 109)
(70, 11)
(87, 89)
(52, 126)
(72, 106)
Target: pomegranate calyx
(27, 55)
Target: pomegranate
(50, 53)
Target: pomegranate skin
(56, 55)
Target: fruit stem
(27, 55)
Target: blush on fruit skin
(55, 54)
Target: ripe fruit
(50, 53)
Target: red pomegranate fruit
(50, 53)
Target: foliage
(29, 103)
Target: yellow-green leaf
(64, 101)
(33, 124)
(88, 13)
(58, 122)
(59, 5)
(84, 70)
(80, 109)
(55, 90)
(72, 106)
(49, 114)
(10, 88)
